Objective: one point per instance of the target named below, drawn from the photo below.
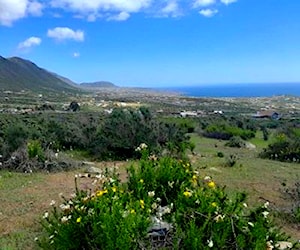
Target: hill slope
(18, 74)
(100, 84)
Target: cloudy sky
(156, 42)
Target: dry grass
(25, 197)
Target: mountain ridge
(18, 74)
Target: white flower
(65, 207)
(250, 224)
(51, 237)
(143, 146)
(158, 199)
(46, 215)
(219, 217)
(265, 214)
(151, 193)
(52, 203)
(36, 239)
(64, 219)
(207, 178)
(154, 205)
(210, 243)
(245, 205)
(266, 205)
(171, 183)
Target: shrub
(231, 161)
(283, 149)
(220, 154)
(235, 142)
(116, 215)
(34, 150)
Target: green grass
(261, 179)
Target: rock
(249, 145)
(283, 245)
(93, 170)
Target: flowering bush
(196, 212)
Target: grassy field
(25, 197)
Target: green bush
(283, 149)
(235, 142)
(34, 150)
(117, 215)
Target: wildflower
(114, 189)
(194, 177)
(245, 204)
(214, 204)
(101, 192)
(36, 239)
(143, 146)
(141, 181)
(151, 193)
(170, 184)
(219, 217)
(158, 199)
(142, 203)
(46, 215)
(266, 205)
(210, 243)
(51, 237)
(132, 211)
(187, 193)
(78, 220)
(52, 203)
(111, 180)
(64, 219)
(211, 184)
(154, 206)
(250, 224)
(65, 208)
(265, 214)
(207, 178)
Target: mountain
(19, 74)
(100, 84)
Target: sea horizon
(237, 90)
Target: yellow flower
(78, 220)
(187, 194)
(114, 189)
(211, 184)
(194, 177)
(101, 192)
(214, 204)
(141, 181)
(132, 211)
(142, 203)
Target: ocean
(239, 90)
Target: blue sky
(156, 43)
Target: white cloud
(35, 8)
(227, 2)
(87, 7)
(30, 42)
(12, 10)
(76, 54)
(171, 9)
(65, 33)
(122, 16)
(202, 3)
(208, 12)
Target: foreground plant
(196, 212)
